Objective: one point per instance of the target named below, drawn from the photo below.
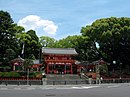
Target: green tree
(27, 64)
(22, 40)
(6, 34)
(33, 48)
(8, 31)
(8, 56)
(113, 37)
(76, 41)
(46, 41)
(31, 44)
(103, 69)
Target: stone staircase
(64, 79)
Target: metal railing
(89, 81)
(21, 82)
(66, 82)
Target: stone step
(53, 77)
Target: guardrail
(67, 82)
(20, 81)
(116, 80)
(89, 81)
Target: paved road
(105, 90)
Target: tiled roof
(62, 51)
(18, 59)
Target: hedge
(9, 75)
(20, 74)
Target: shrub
(15, 75)
(1, 74)
(10, 74)
(6, 74)
(38, 75)
(32, 75)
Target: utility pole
(97, 74)
(28, 76)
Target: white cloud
(35, 22)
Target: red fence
(20, 79)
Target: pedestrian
(101, 80)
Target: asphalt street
(103, 90)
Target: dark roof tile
(62, 51)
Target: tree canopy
(46, 41)
(7, 34)
(13, 37)
(113, 37)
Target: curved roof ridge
(68, 51)
(57, 48)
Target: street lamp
(120, 69)
(114, 63)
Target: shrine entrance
(59, 69)
(59, 60)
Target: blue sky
(60, 18)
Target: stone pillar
(13, 67)
(44, 81)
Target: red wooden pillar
(47, 68)
(64, 68)
(55, 68)
(71, 68)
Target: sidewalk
(45, 87)
(83, 86)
